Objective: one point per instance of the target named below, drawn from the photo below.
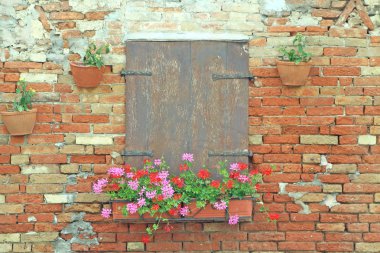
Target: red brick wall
(46, 177)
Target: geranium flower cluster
(152, 190)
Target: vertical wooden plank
(206, 97)
(171, 84)
(138, 100)
(236, 100)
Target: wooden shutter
(174, 105)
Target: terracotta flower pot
(241, 207)
(117, 214)
(206, 213)
(293, 74)
(86, 76)
(20, 123)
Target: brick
(367, 140)
(91, 197)
(19, 64)
(49, 159)
(44, 188)
(350, 208)
(338, 246)
(11, 208)
(6, 247)
(39, 169)
(343, 168)
(24, 198)
(340, 51)
(88, 208)
(258, 246)
(367, 247)
(135, 246)
(296, 245)
(319, 139)
(367, 178)
(374, 208)
(304, 236)
(353, 100)
(342, 32)
(48, 179)
(39, 237)
(341, 71)
(357, 198)
(332, 188)
(164, 246)
(358, 188)
(335, 218)
(94, 140)
(9, 188)
(66, 15)
(11, 237)
(19, 159)
(330, 227)
(91, 118)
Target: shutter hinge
(231, 153)
(232, 76)
(137, 153)
(135, 73)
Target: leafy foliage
(93, 56)
(298, 54)
(25, 102)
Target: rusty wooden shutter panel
(174, 105)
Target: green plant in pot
(89, 73)
(21, 117)
(294, 66)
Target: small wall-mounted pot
(292, 74)
(20, 123)
(86, 76)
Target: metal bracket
(135, 73)
(231, 153)
(232, 76)
(137, 153)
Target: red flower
(230, 184)
(234, 175)
(178, 181)
(173, 211)
(177, 196)
(145, 238)
(183, 167)
(146, 161)
(215, 183)
(267, 172)
(257, 187)
(115, 176)
(243, 166)
(155, 207)
(274, 216)
(140, 173)
(154, 177)
(254, 172)
(115, 187)
(160, 197)
(127, 168)
(204, 174)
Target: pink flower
(132, 208)
(234, 219)
(130, 175)
(188, 157)
(106, 213)
(98, 186)
(163, 174)
(157, 162)
(221, 205)
(134, 185)
(184, 211)
(141, 202)
(234, 166)
(167, 191)
(150, 195)
(115, 172)
(243, 178)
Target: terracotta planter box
(20, 123)
(117, 213)
(242, 207)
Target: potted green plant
(89, 73)
(153, 195)
(294, 66)
(21, 117)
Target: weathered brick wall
(323, 137)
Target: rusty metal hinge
(138, 153)
(232, 76)
(135, 73)
(231, 153)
